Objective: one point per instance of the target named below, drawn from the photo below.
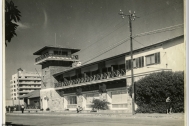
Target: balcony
(29, 78)
(23, 82)
(25, 91)
(50, 56)
(29, 87)
(95, 78)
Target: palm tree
(11, 14)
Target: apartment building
(107, 79)
(24, 82)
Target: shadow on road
(11, 124)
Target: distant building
(9, 103)
(22, 83)
(32, 100)
(108, 79)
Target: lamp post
(131, 17)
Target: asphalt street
(40, 120)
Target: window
(137, 63)
(72, 100)
(64, 53)
(134, 63)
(56, 52)
(153, 59)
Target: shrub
(100, 104)
(47, 109)
(152, 91)
(41, 109)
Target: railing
(74, 57)
(20, 79)
(29, 82)
(99, 76)
(28, 87)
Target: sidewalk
(98, 114)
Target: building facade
(107, 79)
(22, 83)
(52, 60)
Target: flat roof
(120, 55)
(39, 52)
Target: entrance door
(72, 102)
(45, 104)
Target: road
(41, 120)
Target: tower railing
(47, 55)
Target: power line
(104, 29)
(123, 25)
(102, 38)
(106, 51)
(159, 30)
(138, 35)
(138, 42)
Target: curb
(180, 116)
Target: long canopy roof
(113, 57)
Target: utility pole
(131, 17)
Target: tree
(100, 104)
(152, 90)
(12, 15)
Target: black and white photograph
(94, 63)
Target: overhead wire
(125, 40)
(159, 30)
(139, 35)
(151, 32)
(124, 24)
(103, 37)
(138, 42)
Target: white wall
(171, 58)
(174, 56)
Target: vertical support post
(132, 77)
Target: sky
(94, 26)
